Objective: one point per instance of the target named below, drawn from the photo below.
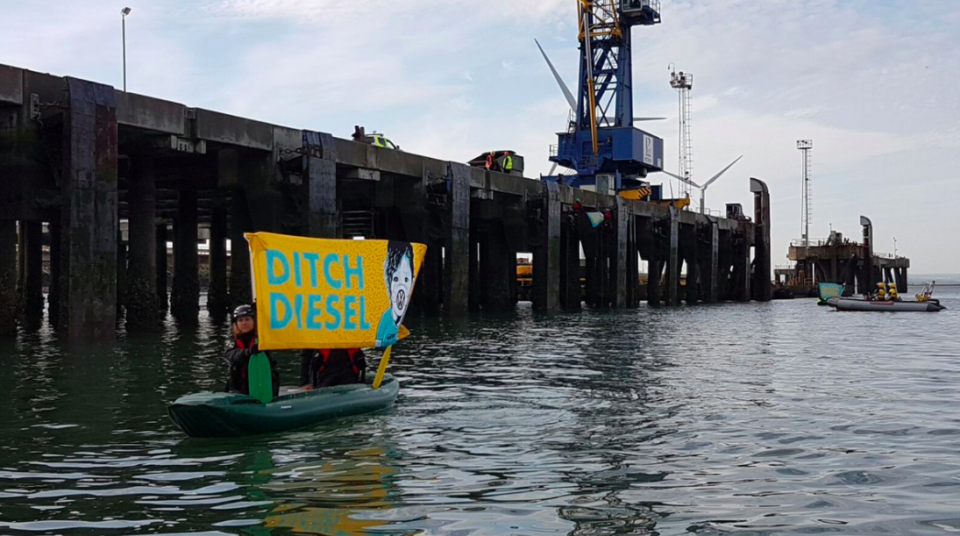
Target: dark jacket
(238, 357)
(342, 367)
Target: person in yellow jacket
(881, 291)
(893, 295)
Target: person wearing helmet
(893, 295)
(245, 345)
(881, 291)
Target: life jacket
(240, 344)
(325, 357)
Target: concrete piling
(8, 278)
(673, 258)
(31, 282)
(142, 303)
(160, 245)
(89, 213)
(547, 256)
(185, 299)
(457, 256)
(218, 299)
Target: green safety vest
(508, 163)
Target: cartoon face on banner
(329, 294)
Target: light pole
(894, 247)
(123, 22)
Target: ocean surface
(776, 418)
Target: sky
(872, 82)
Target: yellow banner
(313, 293)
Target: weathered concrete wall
(142, 303)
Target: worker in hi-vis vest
(507, 163)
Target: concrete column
(673, 258)
(655, 265)
(428, 294)
(710, 275)
(692, 290)
(633, 262)
(476, 285)
(547, 257)
(89, 213)
(457, 261)
(745, 271)
(762, 249)
(142, 303)
(163, 300)
(185, 299)
(240, 291)
(121, 273)
(571, 294)
(31, 290)
(320, 185)
(53, 297)
(619, 260)
(496, 279)
(218, 300)
(8, 278)
(905, 286)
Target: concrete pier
(222, 175)
(841, 260)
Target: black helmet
(244, 310)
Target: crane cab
(640, 12)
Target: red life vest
(325, 354)
(240, 345)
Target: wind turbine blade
(722, 171)
(563, 87)
(552, 169)
(649, 118)
(682, 179)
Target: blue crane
(600, 140)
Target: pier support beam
(673, 258)
(762, 290)
(53, 296)
(121, 272)
(31, 289)
(185, 300)
(320, 185)
(497, 275)
(240, 292)
(89, 213)
(688, 234)
(8, 278)
(457, 248)
(218, 300)
(619, 259)
(744, 270)
(163, 300)
(571, 294)
(633, 262)
(654, 257)
(547, 260)
(711, 283)
(142, 303)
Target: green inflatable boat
(231, 414)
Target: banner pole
(382, 369)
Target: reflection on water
(730, 419)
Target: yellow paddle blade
(382, 369)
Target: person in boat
(398, 272)
(881, 291)
(327, 368)
(245, 345)
(893, 295)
